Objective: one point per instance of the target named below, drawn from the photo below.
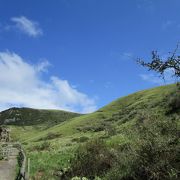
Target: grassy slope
(124, 109)
(121, 114)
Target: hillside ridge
(30, 116)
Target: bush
(1, 155)
(154, 154)
(110, 130)
(49, 136)
(91, 159)
(42, 146)
(80, 139)
(20, 158)
(79, 178)
(94, 128)
(174, 101)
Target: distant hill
(31, 117)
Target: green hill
(34, 117)
(123, 122)
(121, 112)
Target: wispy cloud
(27, 26)
(167, 24)
(155, 79)
(126, 56)
(42, 67)
(123, 55)
(22, 85)
(108, 85)
(145, 4)
(151, 78)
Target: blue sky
(79, 55)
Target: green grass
(122, 114)
(51, 161)
(151, 99)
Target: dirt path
(8, 168)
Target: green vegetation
(34, 117)
(1, 156)
(154, 153)
(174, 100)
(48, 164)
(91, 159)
(132, 137)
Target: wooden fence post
(28, 170)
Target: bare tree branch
(159, 65)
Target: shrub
(49, 136)
(80, 139)
(20, 158)
(79, 178)
(153, 155)
(1, 155)
(42, 146)
(52, 135)
(174, 101)
(110, 130)
(95, 128)
(91, 159)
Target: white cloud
(22, 85)
(153, 78)
(27, 26)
